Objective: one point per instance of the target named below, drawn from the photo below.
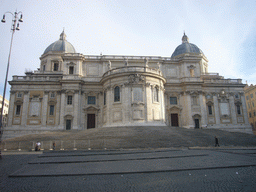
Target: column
(125, 103)
(62, 109)
(76, 103)
(203, 111)
(246, 119)
(216, 109)
(233, 109)
(44, 108)
(108, 104)
(11, 108)
(25, 106)
(57, 120)
(148, 102)
(162, 104)
(190, 122)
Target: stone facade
(5, 110)
(75, 91)
(250, 94)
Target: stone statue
(126, 61)
(146, 62)
(158, 66)
(109, 65)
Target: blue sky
(223, 30)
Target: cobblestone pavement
(219, 170)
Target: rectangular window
(43, 67)
(71, 70)
(52, 95)
(69, 101)
(251, 95)
(247, 97)
(51, 109)
(238, 109)
(91, 100)
(254, 113)
(253, 104)
(250, 115)
(56, 67)
(173, 100)
(18, 107)
(249, 106)
(210, 109)
(19, 95)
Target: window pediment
(91, 108)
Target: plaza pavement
(218, 169)
(187, 161)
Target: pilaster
(25, 108)
(44, 107)
(62, 109)
(246, 119)
(232, 108)
(216, 109)
(76, 103)
(203, 111)
(11, 108)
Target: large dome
(186, 47)
(61, 45)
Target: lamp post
(14, 27)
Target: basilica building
(72, 91)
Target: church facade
(72, 91)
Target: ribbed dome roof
(186, 47)
(61, 45)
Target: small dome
(61, 45)
(186, 47)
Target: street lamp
(15, 26)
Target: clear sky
(224, 30)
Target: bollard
(19, 149)
(5, 149)
(42, 148)
(50, 146)
(74, 145)
(33, 146)
(61, 146)
(89, 143)
(104, 145)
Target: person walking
(216, 142)
(53, 146)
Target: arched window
(155, 94)
(238, 109)
(209, 109)
(116, 94)
(105, 97)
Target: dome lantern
(185, 38)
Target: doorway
(197, 123)
(90, 121)
(174, 120)
(68, 124)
